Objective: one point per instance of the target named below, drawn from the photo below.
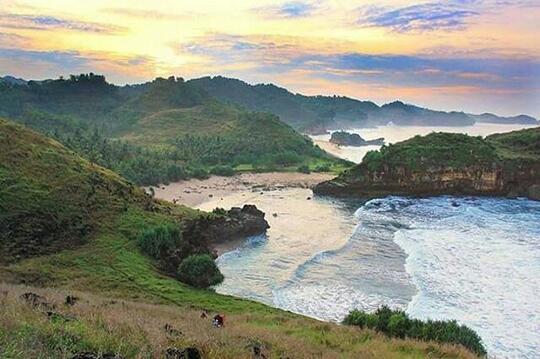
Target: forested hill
(160, 131)
(319, 113)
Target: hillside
(315, 114)
(76, 227)
(505, 164)
(161, 131)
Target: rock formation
(342, 138)
(447, 164)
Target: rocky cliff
(443, 163)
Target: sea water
(476, 260)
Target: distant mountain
(12, 80)
(491, 118)
(406, 115)
(316, 114)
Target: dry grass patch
(139, 330)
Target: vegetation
(199, 270)
(157, 132)
(396, 323)
(436, 149)
(523, 144)
(110, 258)
(131, 329)
(156, 241)
(455, 150)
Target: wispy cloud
(33, 64)
(292, 9)
(446, 15)
(43, 22)
(9, 40)
(273, 58)
(145, 14)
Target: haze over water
(476, 260)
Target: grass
(137, 330)
(523, 144)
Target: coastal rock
(202, 233)
(342, 138)
(446, 164)
(534, 192)
(238, 223)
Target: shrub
(157, 241)
(322, 168)
(303, 169)
(223, 171)
(200, 271)
(199, 173)
(396, 323)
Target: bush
(223, 171)
(200, 271)
(322, 168)
(199, 173)
(158, 241)
(396, 323)
(303, 169)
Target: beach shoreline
(195, 192)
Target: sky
(465, 55)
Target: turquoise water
(476, 260)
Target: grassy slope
(523, 144)
(109, 263)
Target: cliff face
(500, 180)
(441, 164)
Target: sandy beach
(195, 192)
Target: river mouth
(439, 258)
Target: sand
(194, 192)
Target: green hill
(74, 226)
(315, 114)
(160, 131)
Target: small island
(342, 138)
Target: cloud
(33, 64)
(266, 58)
(447, 15)
(292, 9)
(43, 22)
(146, 14)
(10, 40)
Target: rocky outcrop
(221, 226)
(502, 179)
(236, 223)
(200, 234)
(446, 164)
(342, 138)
